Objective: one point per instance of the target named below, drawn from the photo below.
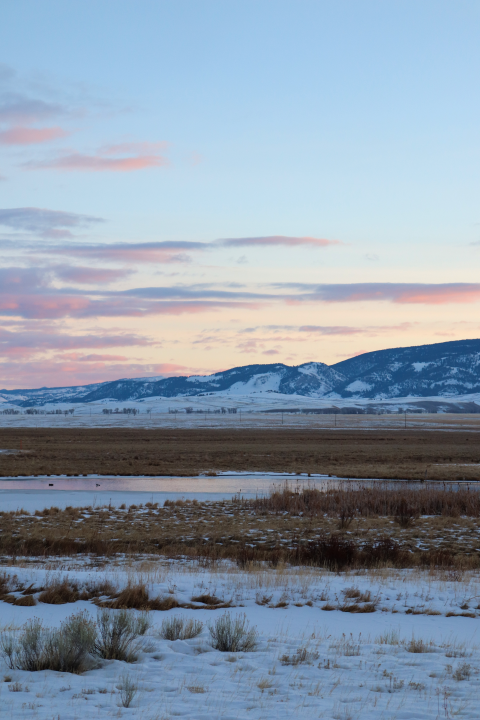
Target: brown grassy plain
(437, 454)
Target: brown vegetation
(357, 452)
(403, 501)
(294, 527)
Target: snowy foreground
(309, 662)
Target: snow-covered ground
(256, 414)
(309, 663)
(206, 410)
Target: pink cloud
(404, 293)
(58, 373)
(73, 306)
(93, 357)
(49, 338)
(276, 240)
(30, 136)
(270, 352)
(123, 157)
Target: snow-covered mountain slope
(442, 370)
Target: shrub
(75, 644)
(117, 634)
(178, 628)
(233, 634)
(128, 688)
(68, 649)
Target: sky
(188, 186)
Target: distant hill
(444, 369)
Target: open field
(358, 603)
(303, 418)
(337, 646)
(439, 453)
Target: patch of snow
(358, 386)
(418, 366)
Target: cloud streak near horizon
(277, 241)
(30, 293)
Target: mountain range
(447, 369)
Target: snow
(358, 386)
(351, 670)
(263, 382)
(418, 366)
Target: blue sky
(349, 128)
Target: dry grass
(296, 527)
(303, 656)
(403, 502)
(210, 532)
(353, 452)
(60, 592)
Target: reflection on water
(231, 484)
(219, 484)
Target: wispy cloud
(45, 223)
(61, 373)
(55, 306)
(89, 276)
(402, 293)
(347, 330)
(30, 136)
(277, 240)
(165, 252)
(125, 157)
(28, 342)
(21, 109)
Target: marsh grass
(402, 502)
(441, 540)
